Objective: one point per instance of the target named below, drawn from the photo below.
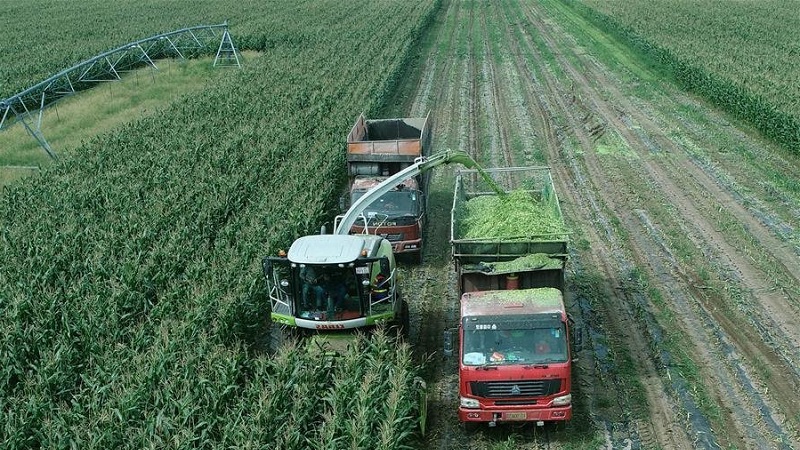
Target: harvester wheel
(405, 320)
(402, 322)
(277, 337)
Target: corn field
(132, 310)
(744, 56)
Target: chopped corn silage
(516, 215)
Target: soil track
(684, 273)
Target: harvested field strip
(658, 182)
(744, 68)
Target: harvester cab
(334, 282)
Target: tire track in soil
(706, 181)
(618, 432)
(429, 287)
(620, 329)
(731, 377)
(495, 110)
(773, 307)
(689, 180)
(625, 263)
(551, 106)
(625, 429)
(494, 89)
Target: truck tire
(417, 258)
(470, 427)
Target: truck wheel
(470, 427)
(418, 258)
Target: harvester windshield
(337, 292)
(500, 340)
(327, 292)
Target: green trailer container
(535, 258)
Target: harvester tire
(277, 337)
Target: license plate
(516, 416)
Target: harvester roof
(331, 248)
(512, 302)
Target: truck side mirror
(449, 344)
(577, 339)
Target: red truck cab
(398, 216)
(514, 357)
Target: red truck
(514, 345)
(377, 149)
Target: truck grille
(515, 388)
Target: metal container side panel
(361, 156)
(359, 131)
(394, 129)
(408, 128)
(375, 150)
(458, 200)
(425, 139)
(473, 252)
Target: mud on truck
(514, 345)
(377, 149)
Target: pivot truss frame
(108, 66)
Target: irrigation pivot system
(108, 66)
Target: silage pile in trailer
(517, 215)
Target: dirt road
(683, 277)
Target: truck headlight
(564, 400)
(467, 402)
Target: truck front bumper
(494, 415)
(414, 246)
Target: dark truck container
(380, 148)
(514, 347)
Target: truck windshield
(327, 292)
(393, 203)
(514, 345)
